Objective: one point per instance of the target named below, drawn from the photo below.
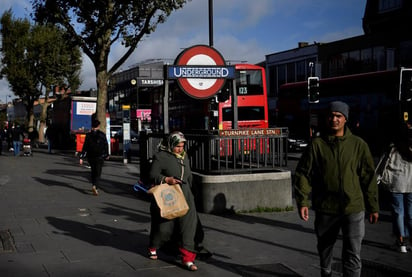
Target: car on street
(297, 144)
(134, 136)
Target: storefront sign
(251, 132)
(150, 82)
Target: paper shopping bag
(170, 199)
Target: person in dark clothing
(95, 149)
(2, 136)
(9, 139)
(338, 170)
(17, 138)
(171, 165)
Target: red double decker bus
(252, 99)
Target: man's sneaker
(94, 190)
(402, 247)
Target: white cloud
(88, 75)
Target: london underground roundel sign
(200, 71)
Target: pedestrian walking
(395, 175)
(9, 139)
(17, 138)
(2, 136)
(171, 165)
(338, 170)
(95, 149)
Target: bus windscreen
(244, 113)
(249, 82)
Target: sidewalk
(51, 225)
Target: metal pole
(210, 23)
(139, 125)
(7, 112)
(311, 69)
(310, 105)
(207, 126)
(234, 106)
(166, 107)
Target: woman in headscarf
(171, 165)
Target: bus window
(245, 113)
(249, 82)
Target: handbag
(384, 163)
(170, 200)
(396, 174)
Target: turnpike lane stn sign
(200, 71)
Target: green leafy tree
(35, 58)
(15, 58)
(58, 62)
(97, 25)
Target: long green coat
(165, 164)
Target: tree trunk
(42, 126)
(43, 117)
(102, 79)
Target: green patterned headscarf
(171, 142)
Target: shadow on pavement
(49, 182)
(102, 235)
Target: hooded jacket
(339, 173)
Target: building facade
(362, 70)
(139, 87)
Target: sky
(243, 30)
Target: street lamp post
(7, 106)
(134, 82)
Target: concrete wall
(243, 192)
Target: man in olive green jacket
(338, 171)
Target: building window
(405, 54)
(379, 57)
(333, 64)
(389, 5)
(291, 72)
(390, 58)
(273, 89)
(301, 71)
(363, 60)
(339, 64)
(353, 64)
(367, 60)
(281, 75)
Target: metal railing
(228, 152)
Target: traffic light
(405, 86)
(224, 93)
(313, 89)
